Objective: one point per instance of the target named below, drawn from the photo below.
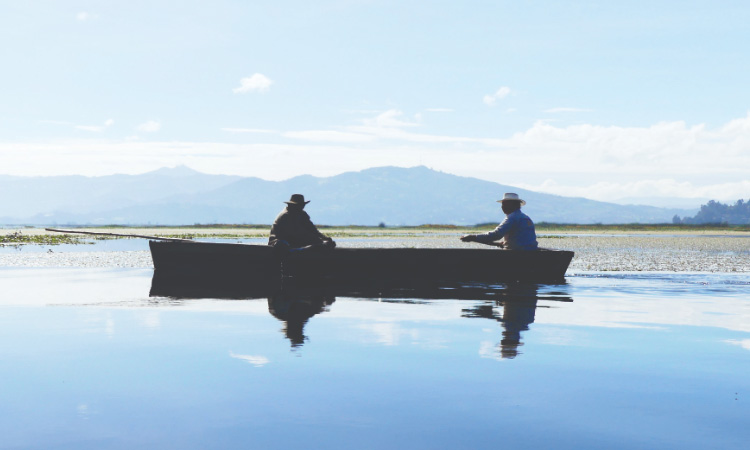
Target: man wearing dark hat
(516, 232)
(293, 227)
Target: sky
(599, 99)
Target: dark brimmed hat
(297, 199)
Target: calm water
(625, 360)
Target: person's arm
(310, 227)
(496, 234)
(492, 236)
(313, 230)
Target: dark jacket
(295, 227)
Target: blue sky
(606, 100)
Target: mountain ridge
(391, 195)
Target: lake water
(641, 359)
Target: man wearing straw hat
(294, 229)
(516, 232)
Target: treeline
(718, 213)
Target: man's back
(295, 227)
(517, 232)
(520, 233)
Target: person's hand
(469, 238)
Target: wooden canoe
(223, 263)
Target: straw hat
(297, 199)
(511, 196)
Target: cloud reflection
(390, 333)
(255, 360)
(744, 343)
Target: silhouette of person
(294, 229)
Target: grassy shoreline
(597, 248)
(38, 235)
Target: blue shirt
(517, 230)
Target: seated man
(516, 232)
(294, 229)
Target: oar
(120, 235)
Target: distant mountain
(390, 195)
(25, 197)
(664, 202)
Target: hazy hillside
(24, 197)
(391, 195)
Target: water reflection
(513, 305)
(518, 303)
(295, 308)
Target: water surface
(606, 360)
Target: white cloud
(84, 16)
(255, 360)
(151, 126)
(389, 125)
(668, 159)
(329, 136)
(565, 109)
(385, 125)
(649, 190)
(257, 82)
(367, 112)
(389, 119)
(491, 99)
(737, 126)
(248, 130)
(94, 128)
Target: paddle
(119, 235)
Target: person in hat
(294, 229)
(516, 232)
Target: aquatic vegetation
(638, 227)
(599, 248)
(19, 238)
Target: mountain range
(388, 195)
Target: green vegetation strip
(241, 231)
(19, 238)
(641, 227)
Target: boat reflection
(513, 305)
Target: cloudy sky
(601, 99)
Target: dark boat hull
(220, 264)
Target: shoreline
(258, 231)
